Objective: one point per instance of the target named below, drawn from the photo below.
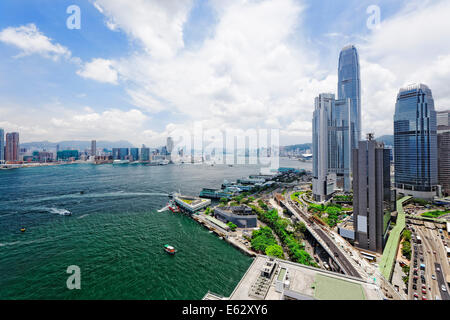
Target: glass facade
(145, 154)
(339, 142)
(343, 125)
(349, 87)
(134, 152)
(415, 140)
(120, 153)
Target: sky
(138, 70)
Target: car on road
(443, 288)
(424, 298)
(433, 277)
(414, 287)
(437, 269)
(424, 291)
(416, 295)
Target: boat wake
(118, 194)
(61, 212)
(164, 209)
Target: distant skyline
(136, 70)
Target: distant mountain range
(76, 145)
(304, 146)
(387, 139)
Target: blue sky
(137, 70)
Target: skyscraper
(349, 87)
(443, 138)
(145, 154)
(2, 144)
(134, 153)
(93, 148)
(415, 142)
(12, 147)
(371, 194)
(342, 125)
(169, 145)
(340, 144)
(323, 181)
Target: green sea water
(115, 234)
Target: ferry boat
(169, 249)
(173, 206)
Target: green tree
(232, 226)
(274, 251)
(223, 200)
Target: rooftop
(304, 283)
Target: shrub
(275, 251)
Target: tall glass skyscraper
(2, 144)
(343, 125)
(349, 87)
(323, 182)
(415, 142)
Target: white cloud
(248, 74)
(157, 25)
(410, 47)
(253, 70)
(101, 70)
(74, 123)
(30, 40)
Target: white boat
(121, 162)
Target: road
(431, 252)
(339, 257)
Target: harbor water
(105, 220)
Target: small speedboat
(169, 249)
(23, 230)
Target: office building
(371, 194)
(2, 144)
(443, 118)
(340, 143)
(415, 143)
(12, 147)
(349, 87)
(341, 125)
(443, 138)
(241, 216)
(323, 182)
(169, 145)
(93, 148)
(120, 153)
(145, 154)
(68, 155)
(134, 154)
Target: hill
(75, 144)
